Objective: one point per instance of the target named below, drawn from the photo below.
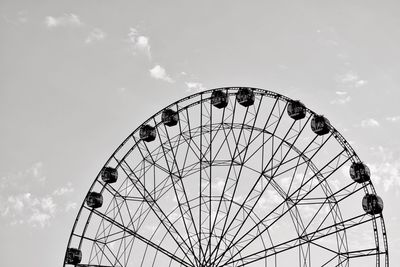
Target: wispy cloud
(139, 42)
(393, 118)
(37, 171)
(369, 123)
(341, 93)
(385, 171)
(195, 86)
(23, 197)
(71, 206)
(63, 21)
(20, 18)
(95, 35)
(351, 80)
(160, 73)
(63, 190)
(122, 90)
(27, 208)
(342, 98)
(218, 184)
(23, 179)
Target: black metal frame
(210, 228)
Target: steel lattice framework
(232, 186)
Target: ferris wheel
(232, 176)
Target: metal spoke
(158, 212)
(141, 238)
(295, 242)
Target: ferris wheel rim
(231, 90)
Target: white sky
(76, 77)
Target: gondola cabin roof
(109, 175)
(245, 97)
(296, 110)
(74, 256)
(170, 117)
(359, 172)
(147, 133)
(94, 200)
(320, 125)
(219, 99)
(372, 204)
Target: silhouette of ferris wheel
(232, 176)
